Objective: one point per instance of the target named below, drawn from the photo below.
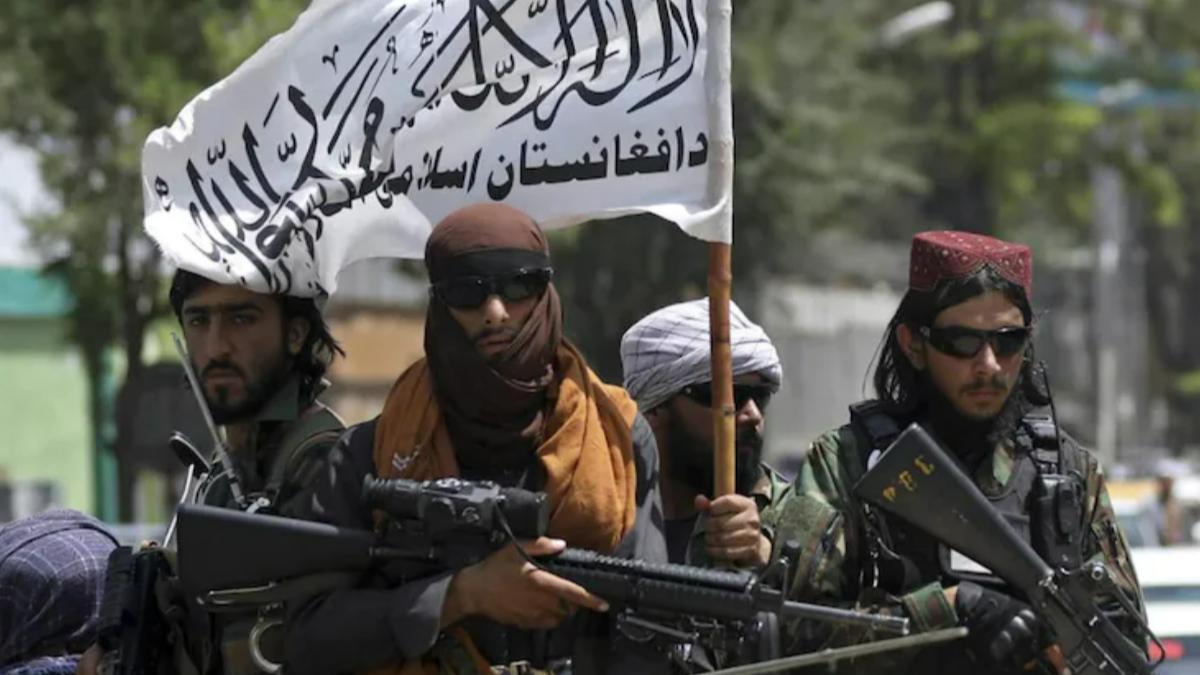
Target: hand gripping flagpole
(720, 274)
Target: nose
(749, 415)
(495, 312)
(986, 362)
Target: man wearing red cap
(957, 359)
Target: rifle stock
(919, 482)
(224, 548)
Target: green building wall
(44, 410)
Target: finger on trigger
(571, 592)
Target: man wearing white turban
(666, 358)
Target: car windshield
(1171, 593)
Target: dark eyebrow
(238, 307)
(227, 308)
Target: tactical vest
(246, 643)
(293, 467)
(1042, 501)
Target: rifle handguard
(679, 589)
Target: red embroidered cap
(950, 254)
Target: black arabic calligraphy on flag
(346, 136)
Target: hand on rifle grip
(509, 589)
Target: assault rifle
(228, 558)
(916, 480)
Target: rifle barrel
(881, 622)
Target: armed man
(260, 360)
(667, 364)
(957, 359)
(501, 396)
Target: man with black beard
(666, 357)
(957, 358)
(261, 361)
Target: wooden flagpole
(720, 273)
(720, 286)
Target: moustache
(748, 438)
(219, 367)
(997, 383)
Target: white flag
(350, 134)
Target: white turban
(670, 349)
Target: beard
(972, 438)
(691, 462)
(258, 390)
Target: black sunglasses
(967, 342)
(702, 394)
(470, 292)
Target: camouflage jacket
(822, 514)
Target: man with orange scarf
(500, 396)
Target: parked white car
(1170, 580)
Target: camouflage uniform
(822, 514)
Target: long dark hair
(320, 348)
(899, 385)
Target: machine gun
(916, 480)
(229, 558)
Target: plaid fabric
(670, 349)
(46, 665)
(51, 581)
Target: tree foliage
(963, 125)
(83, 84)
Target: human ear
(297, 333)
(912, 345)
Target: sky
(21, 188)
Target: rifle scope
(448, 504)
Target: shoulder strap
(874, 428)
(1058, 453)
(318, 425)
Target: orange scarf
(587, 454)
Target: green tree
(83, 85)
(820, 142)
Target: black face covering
(493, 407)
